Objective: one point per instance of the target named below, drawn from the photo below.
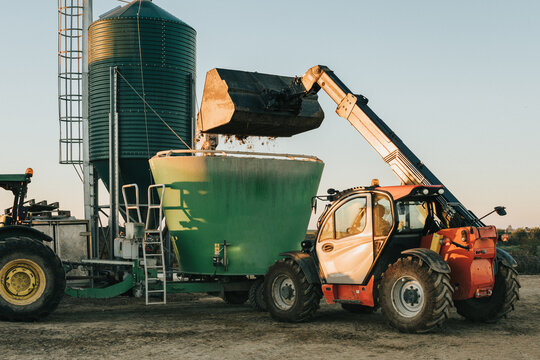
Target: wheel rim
(283, 292)
(407, 296)
(22, 282)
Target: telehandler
(413, 250)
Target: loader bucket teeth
(253, 104)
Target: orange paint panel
(361, 294)
(488, 232)
(471, 270)
(329, 293)
(482, 274)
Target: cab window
(350, 218)
(412, 215)
(382, 215)
(327, 232)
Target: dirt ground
(200, 327)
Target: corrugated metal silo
(154, 50)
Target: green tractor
(32, 278)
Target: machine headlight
(425, 191)
(440, 191)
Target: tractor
(32, 278)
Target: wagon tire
(256, 296)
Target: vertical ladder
(154, 237)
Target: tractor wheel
(501, 302)
(413, 297)
(256, 295)
(32, 280)
(358, 309)
(288, 294)
(235, 297)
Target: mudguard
(307, 264)
(15, 230)
(430, 257)
(506, 259)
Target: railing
(168, 153)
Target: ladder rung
(152, 242)
(154, 254)
(152, 231)
(154, 267)
(154, 279)
(155, 291)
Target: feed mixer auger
(411, 249)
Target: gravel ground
(200, 327)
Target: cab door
(345, 242)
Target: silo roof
(148, 10)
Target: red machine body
(343, 293)
(472, 269)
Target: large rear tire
(289, 295)
(501, 302)
(413, 297)
(32, 280)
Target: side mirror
(331, 191)
(500, 210)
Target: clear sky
(458, 81)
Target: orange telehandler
(413, 250)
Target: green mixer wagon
(229, 216)
(246, 208)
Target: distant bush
(527, 239)
(528, 264)
(523, 244)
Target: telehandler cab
(414, 250)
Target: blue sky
(458, 81)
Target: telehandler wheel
(413, 297)
(32, 280)
(359, 309)
(288, 294)
(256, 295)
(235, 297)
(501, 302)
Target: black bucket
(253, 104)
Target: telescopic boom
(405, 164)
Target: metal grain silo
(154, 55)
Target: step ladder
(154, 237)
